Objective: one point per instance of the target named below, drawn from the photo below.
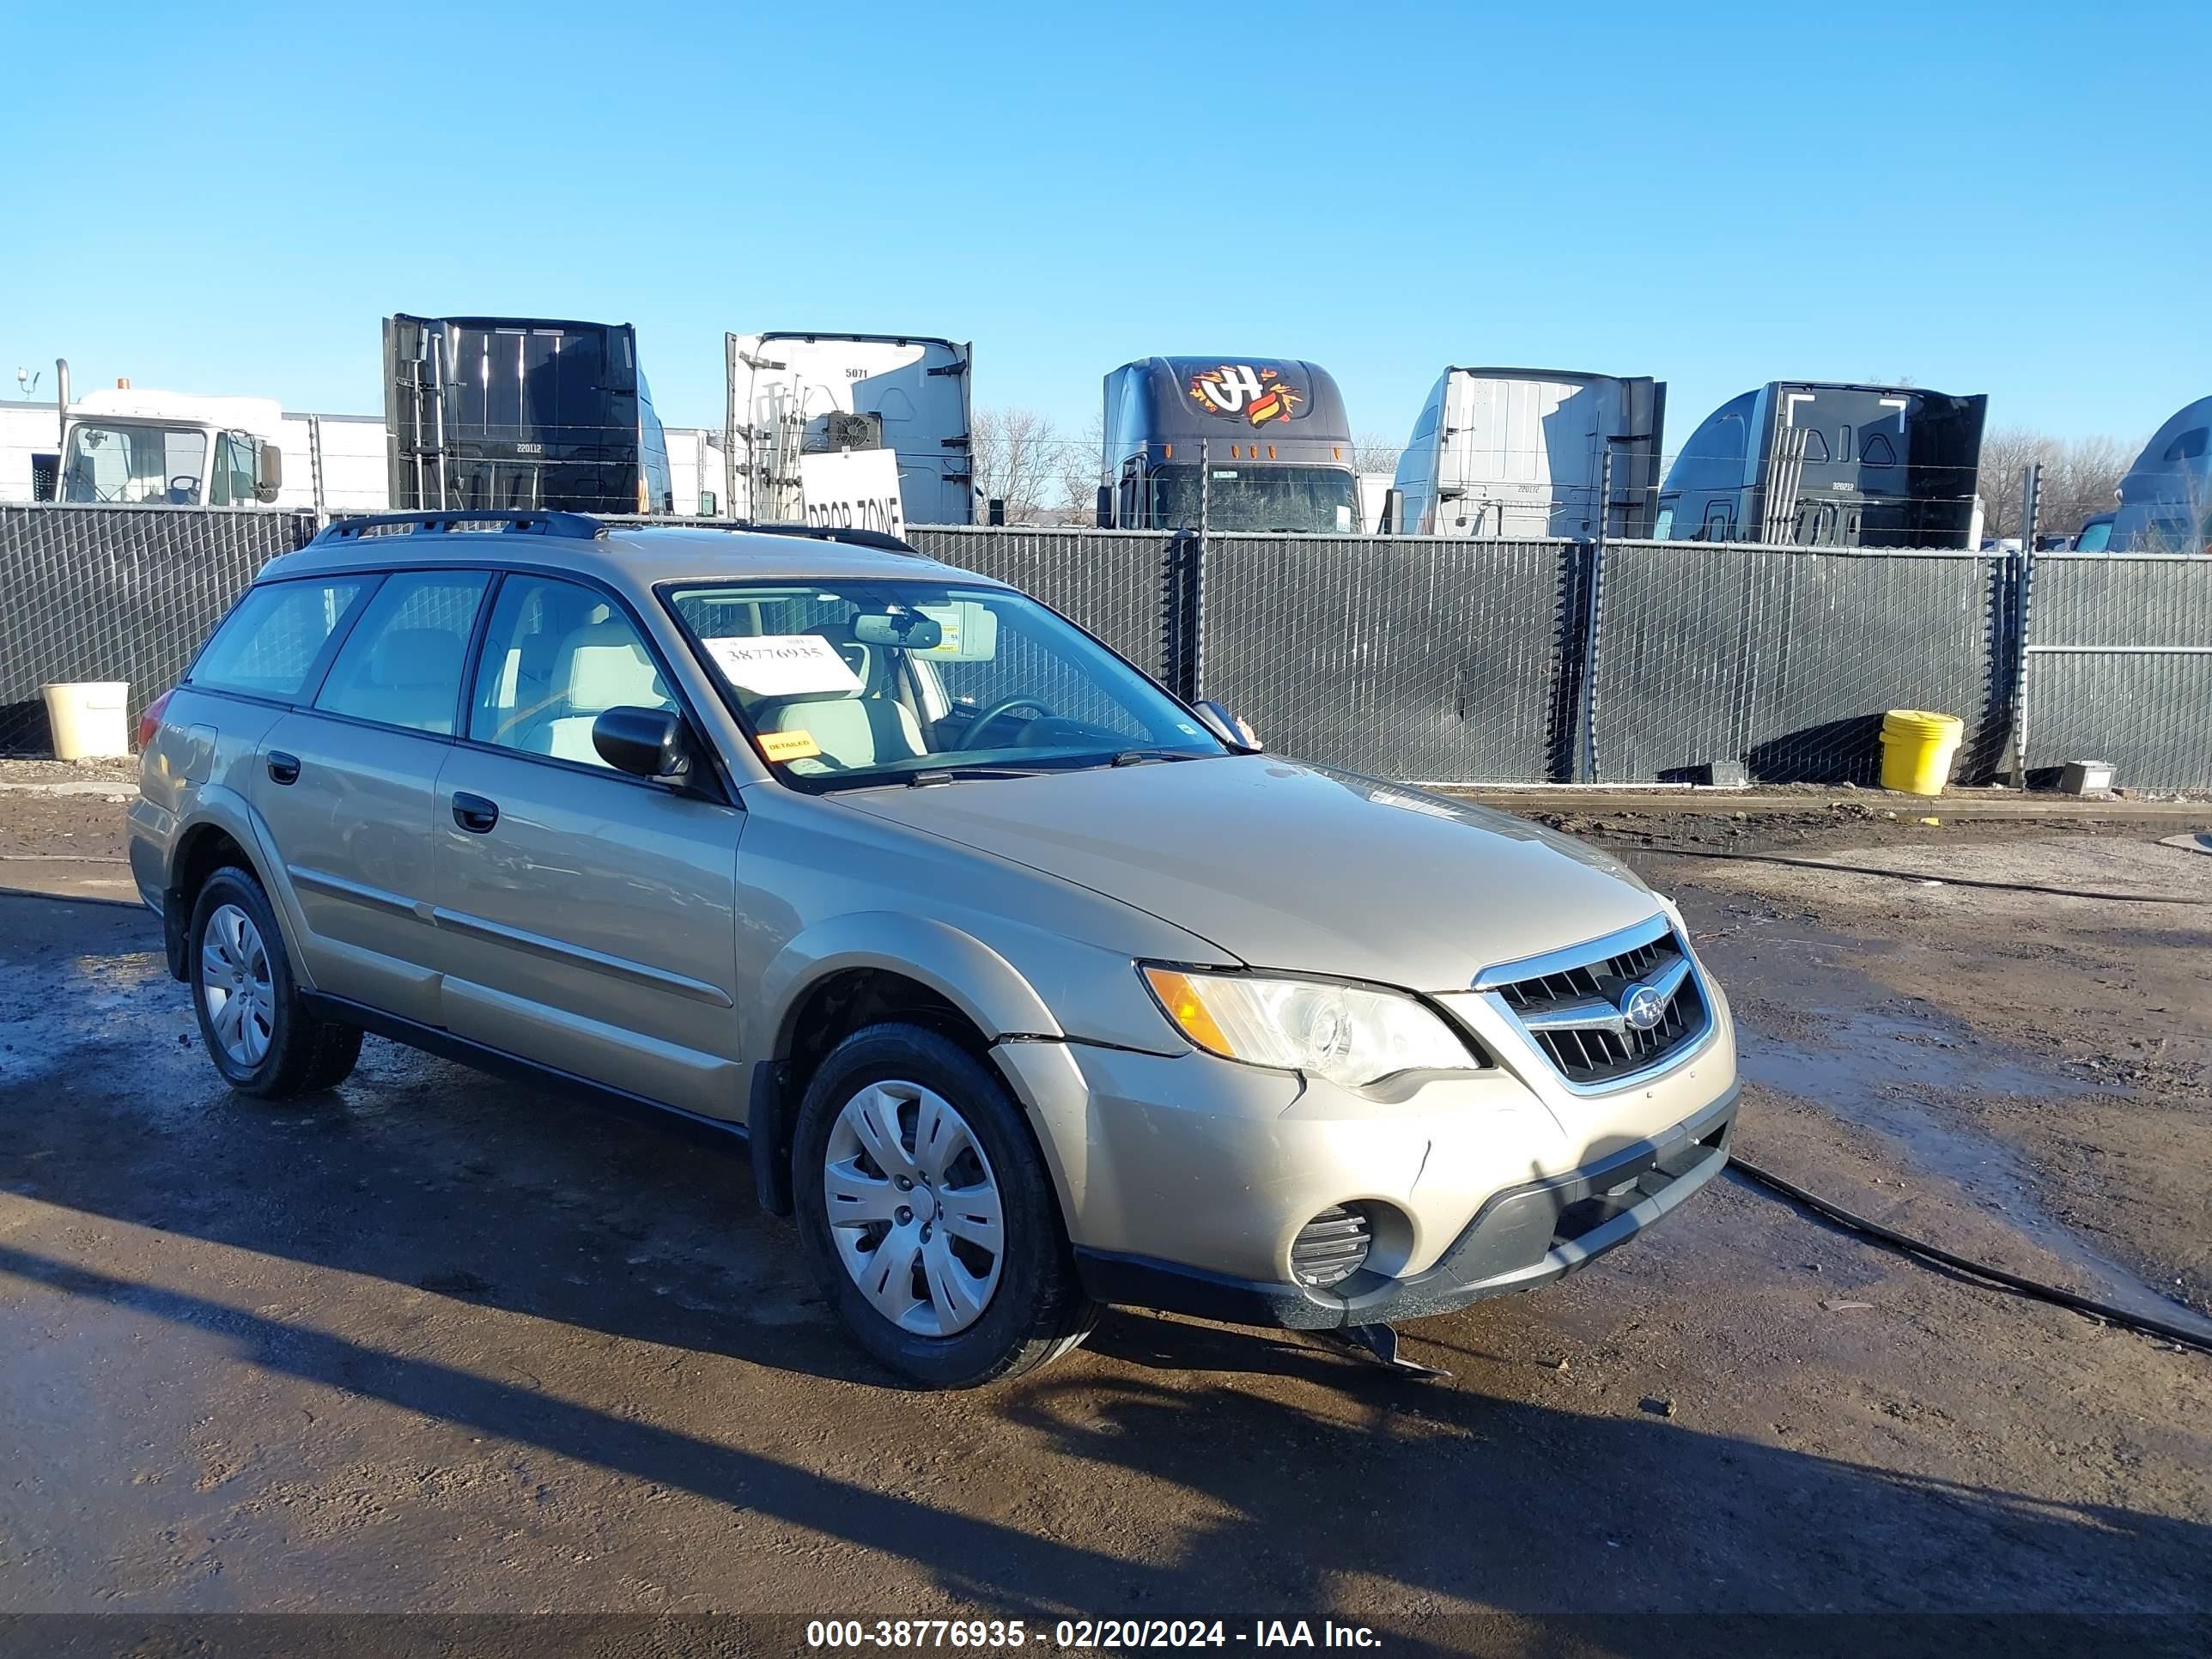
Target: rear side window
(267, 645)
(402, 665)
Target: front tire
(927, 1215)
(258, 1031)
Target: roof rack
(851, 535)
(576, 526)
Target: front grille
(1573, 1012)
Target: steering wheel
(998, 710)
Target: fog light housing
(1331, 1247)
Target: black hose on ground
(1927, 876)
(2146, 1323)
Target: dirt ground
(436, 1342)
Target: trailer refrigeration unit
(792, 394)
(510, 412)
(1515, 452)
(1253, 443)
(1823, 465)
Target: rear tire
(259, 1032)
(947, 1259)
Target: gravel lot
(434, 1342)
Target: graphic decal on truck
(1258, 394)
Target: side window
(232, 481)
(266, 647)
(402, 665)
(556, 656)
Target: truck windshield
(1243, 496)
(119, 463)
(851, 684)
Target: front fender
(959, 967)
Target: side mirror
(268, 471)
(646, 743)
(1226, 727)
(1394, 513)
(1105, 507)
(995, 511)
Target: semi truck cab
(128, 447)
(1243, 443)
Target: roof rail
(851, 535)
(572, 525)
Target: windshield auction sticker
(782, 665)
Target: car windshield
(847, 684)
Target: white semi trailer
(1512, 452)
(792, 394)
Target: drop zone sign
(852, 489)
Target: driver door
(589, 917)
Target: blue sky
(1999, 197)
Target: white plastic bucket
(91, 719)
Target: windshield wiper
(1138, 756)
(962, 773)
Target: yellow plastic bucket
(1917, 749)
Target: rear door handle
(283, 768)
(474, 813)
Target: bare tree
(2081, 477)
(1371, 452)
(1082, 469)
(1017, 457)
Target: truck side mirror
(1105, 507)
(1394, 513)
(268, 471)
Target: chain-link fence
(117, 593)
(1786, 658)
(1442, 660)
(1417, 658)
(2120, 667)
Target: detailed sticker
(789, 745)
(782, 664)
(1253, 392)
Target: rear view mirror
(1105, 507)
(268, 471)
(909, 630)
(646, 743)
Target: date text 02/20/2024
(1002, 1634)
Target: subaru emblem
(1643, 1007)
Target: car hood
(1283, 865)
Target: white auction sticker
(782, 664)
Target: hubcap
(241, 1008)
(913, 1208)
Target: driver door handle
(474, 813)
(283, 768)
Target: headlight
(1344, 1033)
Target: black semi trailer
(521, 413)
(1824, 464)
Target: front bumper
(1521, 1238)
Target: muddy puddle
(1830, 1042)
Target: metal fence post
(1593, 616)
(2031, 513)
(1195, 609)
